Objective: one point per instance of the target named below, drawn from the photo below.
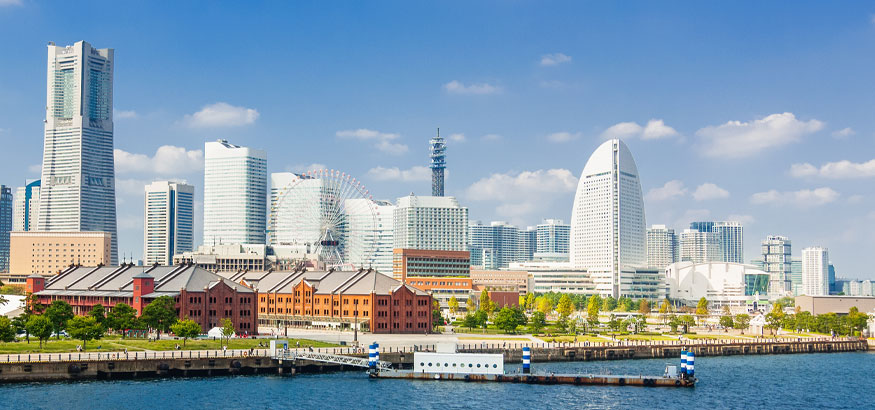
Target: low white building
(721, 283)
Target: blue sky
(758, 111)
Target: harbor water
(800, 381)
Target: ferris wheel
(329, 212)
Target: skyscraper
(493, 246)
(730, 239)
(608, 236)
(168, 220)
(554, 236)
(700, 247)
(777, 262)
(26, 207)
(815, 271)
(371, 241)
(527, 244)
(78, 177)
(662, 247)
(235, 194)
(431, 222)
(5, 226)
(438, 164)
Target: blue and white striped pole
(372, 357)
(691, 358)
(527, 360)
(377, 351)
(683, 362)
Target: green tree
(786, 301)
(84, 328)
(592, 311)
(687, 321)
(627, 304)
(856, 320)
(775, 317)
(59, 312)
(470, 321)
(609, 304)
(471, 304)
(482, 319)
(7, 331)
(741, 322)
(98, 312)
(673, 323)
(507, 320)
(545, 306)
(40, 327)
(160, 314)
(453, 304)
(19, 323)
(530, 301)
(702, 309)
(726, 321)
(565, 307)
(227, 329)
(644, 307)
(539, 320)
(121, 318)
(486, 304)
(436, 318)
(615, 324)
(639, 323)
(186, 329)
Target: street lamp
(355, 329)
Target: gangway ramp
(329, 358)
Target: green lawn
(114, 343)
(570, 339)
(645, 337)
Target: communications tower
(438, 164)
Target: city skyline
(790, 181)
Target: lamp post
(355, 329)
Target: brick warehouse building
(371, 300)
(200, 295)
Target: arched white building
(721, 283)
(608, 234)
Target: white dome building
(608, 234)
(721, 283)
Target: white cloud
(457, 87)
(383, 140)
(523, 193)
(843, 133)
(708, 191)
(563, 136)
(123, 114)
(745, 219)
(302, 168)
(417, 173)
(654, 129)
(221, 114)
(168, 160)
(736, 139)
(554, 59)
(4, 3)
(671, 190)
(127, 187)
(802, 198)
(491, 137)
(835, 170)
(457, 137)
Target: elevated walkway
(329, 358)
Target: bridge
(328, 358)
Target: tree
(3, 300)
(726, 321)
(121, 318)
(40, 327)
(186, 329)
(522, 302)
(687, 321)
(84, 328)
(562, 324)
(609, 304)
(702, 308)
(98, 312)
(615, 324)
(486, 303)
(786, 301)
(741, 322)
(592, 311)
(19, 323)
(453, 304)
(471, 304)
(32, 305)
(775, 317)
(530, 301)
(482, 319)
(565, 307)
(644, 307)
(640, 323)
(856, 320)
(507, 320)
(7, 331)
(59, 312)
(436, 318)
(545, 306)
(539, 320)
(665, 307)
(227, 330)
(160, 314)
(673, 323)
(470, 321)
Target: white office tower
(700, 247)
(553, 238)
(527, 244)
(78, 178)
(168, 221)
(815, 271)
(608, 236)
(662, 247)
(371, 240)
(25, 212)
(778, 263)
(730, 235)
(431, 222)
(235, 194)
(493, 246)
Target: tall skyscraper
(235, 194)
(554, 236)
(168, 220)
(815, 271)
(796, 276)
(438, 164)
(730, 239)
(700, 247)
(371, 241)
(608, 236)
(5, 226)
(78, 176)
(431, 222)
(527, 244)
(26, 207)
(499, 240)
(777, 263)
(662, 247)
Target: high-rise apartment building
(778, 264)
(662, 247)
(25, 212)
(168, 221)
(235, 194)
(608, 236)
(796, 276)
(700, 247)
(431, 222)
(730, 239)
(78, 177)
(5, 226)
(527, 244)
(815, 271)
(370, 233)
(493, 246)
(554, 236)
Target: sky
(754, 111)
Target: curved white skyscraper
(608, 234)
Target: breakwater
(116, 365)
